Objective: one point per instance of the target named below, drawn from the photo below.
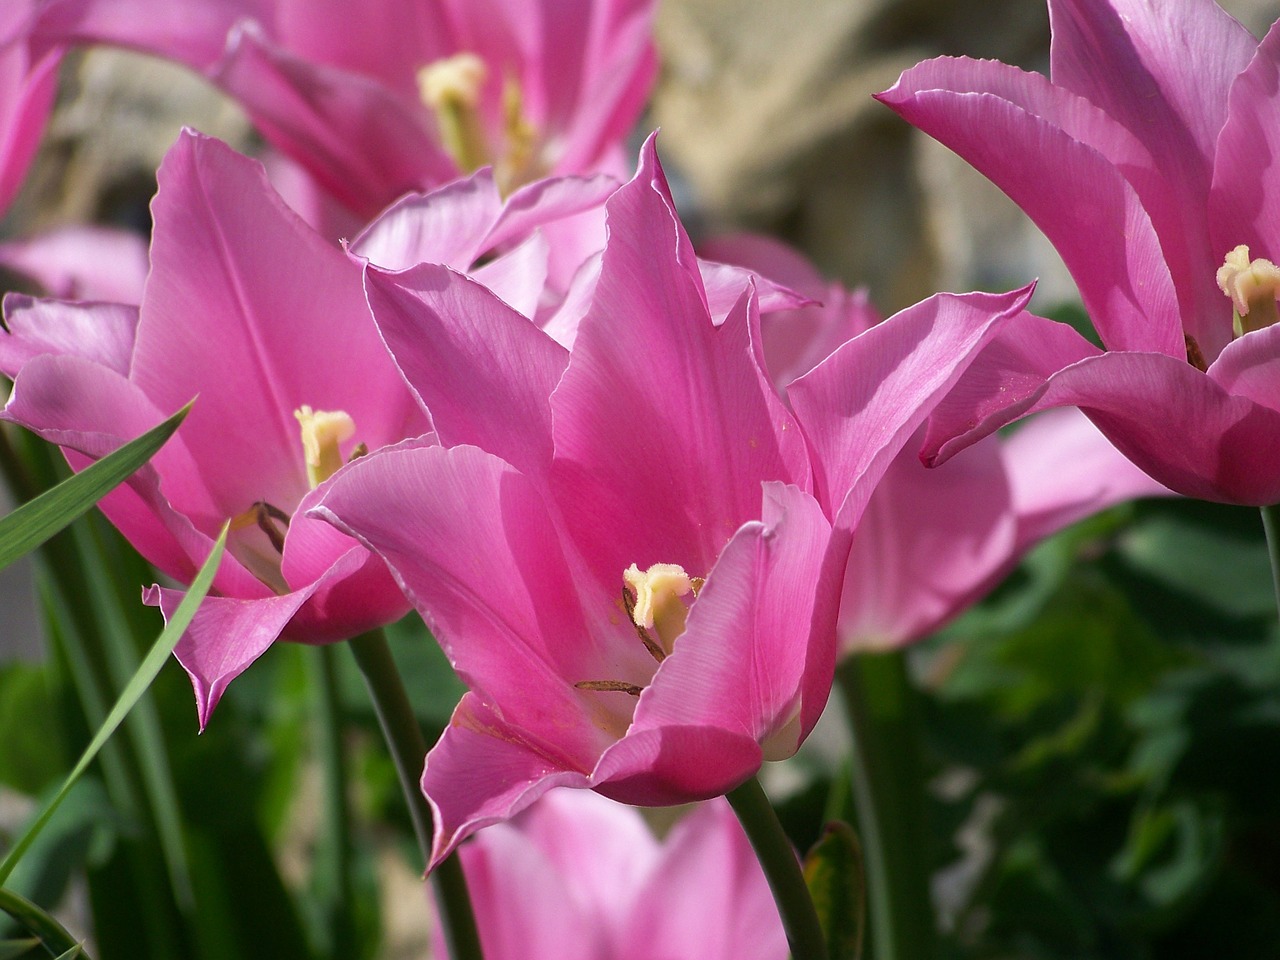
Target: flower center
(655, 600)
(322, 431)
(452, 88)
(1252, 286)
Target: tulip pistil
(1252, 286)
(322, 432)
(451, 88)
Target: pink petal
(226, 635)
(1061, 469)
(450, 225)
(1073, 192)
(642, 428)
(363, 142)
(1250, 367)
(83, 263)
(1246, 176)
(927, 543)
(470, 542)
(100, 332)
(676, 764)
(711, 893)
(483, 371)
(1002, 383)
(475, 777)
(860, 406)
(27, 85)
(1163, 71)
(759, 640)
(1177, 425)
(282, 301)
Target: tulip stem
(888, 792)
(782, 869)
(1271, 524)
(408, 751)
(337, 883)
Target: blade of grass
(37, 520)
(36, 922)
(146, 672)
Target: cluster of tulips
(648, 493)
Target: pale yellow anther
(1252, 286)
(322, 431)
(451, 88)
(659, 605)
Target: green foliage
(36, 521)
(833, 871)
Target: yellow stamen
(518, 164)
(1252, 286)
(322, 431)
(658, 605)
(451, 88)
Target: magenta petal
(83, 263)
(483, 371)
(674, 764)
(226, 635)
(1178, 425)
(99, 332)
(1073, 192)
(859, 406)
(1246, 175)
(293, 329)
(928, 542)
(1250, 367)
(450, 225)
(759, 641)
(475, 776)
(363, 142)
(1061, 469)
(471, 544)
(712, 896)
(1002, 383)
(27, 88)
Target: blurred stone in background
(766, 110)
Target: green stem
(782, 869)
(408, 750)
(889, 795)
(338, 885)
(1271, 524)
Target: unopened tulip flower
(631, 551)
(387, 96)
(934, 541)
(1148, 160)
(579, 877)
(265, 323)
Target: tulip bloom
(265, 322)
(379, 98)
(932, 542)
(1148, 162)
(578, 877)
(631, 551)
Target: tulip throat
(322, 432)
(1252, 286)
(452, 88)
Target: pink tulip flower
(631, 551)
(932, 542)
(379, 98)
(265, 323)
(1148, 161)
(579, 877)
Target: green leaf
(36, 521)
(36, 922)
(13, 949)
(146, 672)
(833, 871)
(28, 762)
